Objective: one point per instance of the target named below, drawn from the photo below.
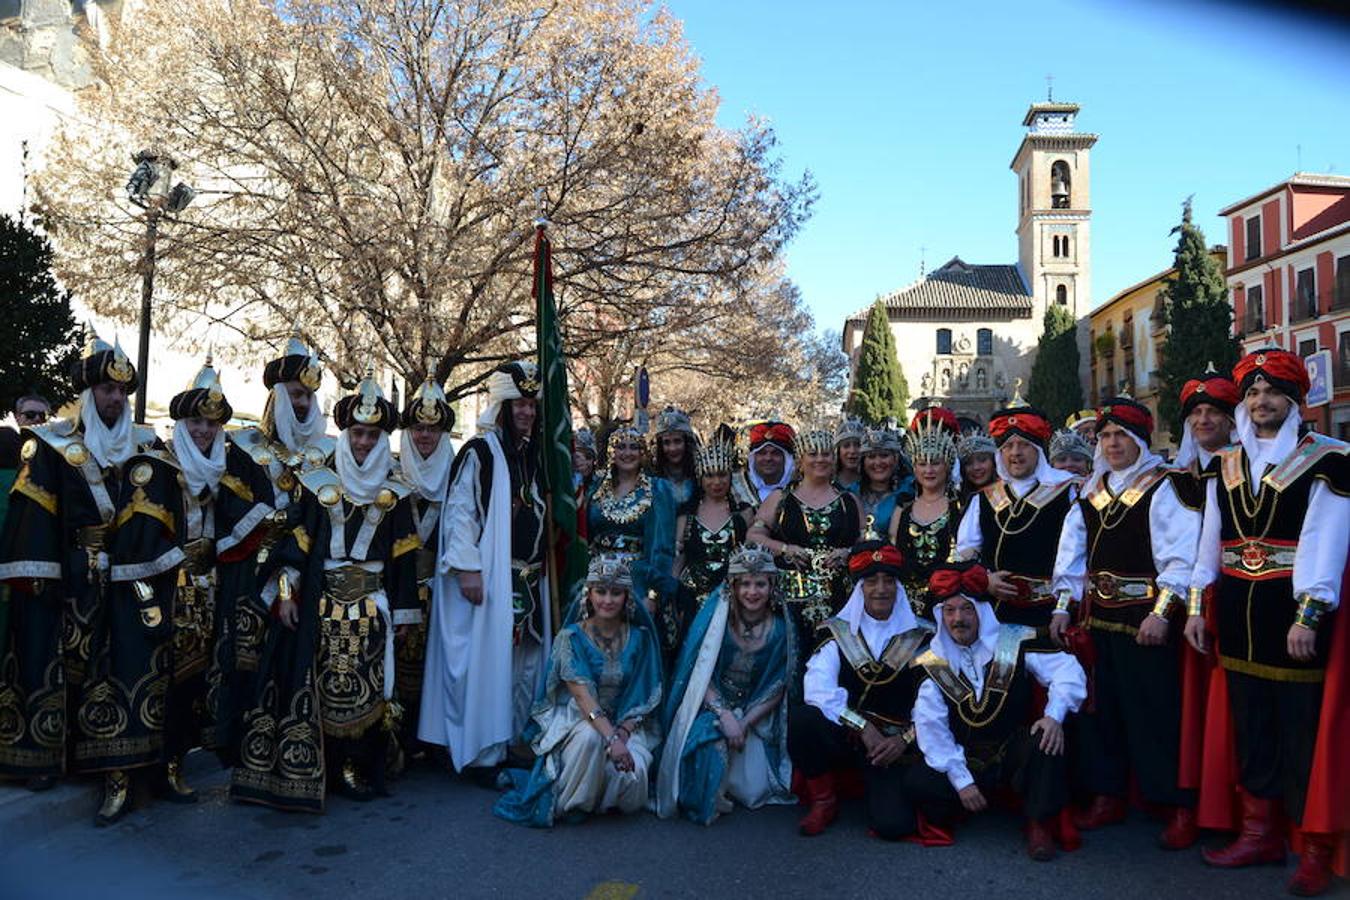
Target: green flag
(567, 548)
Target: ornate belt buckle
(1106, 585)
(1254, 557)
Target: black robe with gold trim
(325, 679)
(91, 556)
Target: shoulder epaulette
(1311, 450)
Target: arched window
(984, 342)
(1062, 295)
(944, 340)
(1061, 185)
(1054, 246)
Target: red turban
(1281, 369)
(1024, 421)
(1129, 414)
(939, 415)
(1212, 388)
(871, 557)
(970, 579)
(779, 434)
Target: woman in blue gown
(595, 725)
(632, 514)
(726, 712)
(886, 481)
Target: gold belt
(1120, 590)
(1258, 560)
(199, 556)
(349, 583)
(92, 537)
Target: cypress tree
(41, 340)
(879, 389)
(1054, 375)
(1200, 319)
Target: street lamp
(150, 188)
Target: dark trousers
(1136, 724)
(1275, 726)
(818, 746)
(1019, 763)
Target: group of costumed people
(936, 623)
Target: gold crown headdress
(213, 404)
(625, 433)
(975, 442)
(610, 568)
(716, 458)
(425, 405)
(849, 429)
(929, 440)
(368, 410)
(814, 440)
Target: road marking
(613, 890)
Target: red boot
(1181, 830)
(1259, 842)
(1313, 876)
(824, 805)
(1105, 810)
(1040, 845)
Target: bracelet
(594, 714)
(1163, 605)
(1062, 601)
(852, 720)
(613, 737)
(1310, 611)
(1195, 601)
(715, 706)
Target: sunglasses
(31, 414)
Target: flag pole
(551, 527)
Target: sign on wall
(1319, 376)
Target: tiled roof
(958, 285)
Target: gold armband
(1163, 605)
(1062, 600)
(1195, 601)
(851, 719)
(1310, 611)
(283, 588)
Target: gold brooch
(427, 413)
(314, 456)
(385, 499)
(876, 556)
(141, 474)
(1200, 389)
(286, 480)
(329, 495)
(1260, 359)
(311, 376)
(211, 406)
(29, 449)
(77, 454)
(120, 369)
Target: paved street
(437, 838)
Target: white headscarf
(109, 446)
(1190, 449)
(290, 431)
(202, 471)
(1102, 469)
(1044, 473)
(901, 619)
(1262, 452)
(362, 481)
(430, 477)
(501, 387)
(762, 486)
(969, 660)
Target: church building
(966, 333)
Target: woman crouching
(593, 728)
(726, 713)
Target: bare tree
(369, 172)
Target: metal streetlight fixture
(150, 187)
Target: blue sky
(908, 114)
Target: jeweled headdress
(849, 429)
(672, 419)
(624, 434)
(929, 439)
(882, 439)
(583, 439)
(611, 569)
(975, 442)
(751, 559)
(1071, 443)
(716, 458)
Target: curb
(25, 815)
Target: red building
(1289, 278)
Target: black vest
(1256, 603)
(982, 724)
(881, 686)
(1021, 536)
(1120, 570)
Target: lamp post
(150, 188)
